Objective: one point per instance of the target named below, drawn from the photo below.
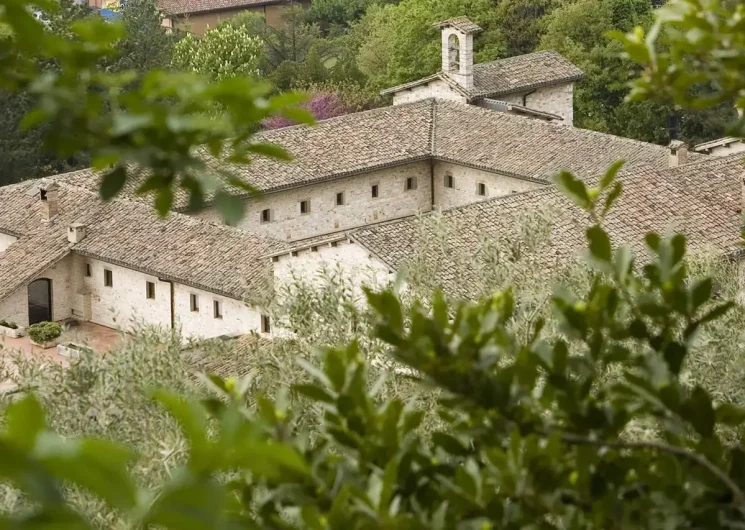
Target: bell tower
(457, 49)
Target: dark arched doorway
(40, 301)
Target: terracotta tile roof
(533, 149)
(701, 200)
(215, 258)
(187, 7)
(522, 72)
(506, 76)
(463, 24)
(464, 134)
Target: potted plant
(10, 329)
(44, 334)
(72, 350)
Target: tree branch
(737, 493)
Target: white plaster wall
(5, 241)
(237, 317)
(15, 306)
(435, 89)
(325, 217)
(466, 180)
(349, 258)
(556, 99)
(124, 305)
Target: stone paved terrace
(100, 338)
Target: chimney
(457, 49)
(49, 196)
(76, 232)
(678, 153)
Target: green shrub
(7, 324)
(44, 331)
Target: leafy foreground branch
(152, 132)
(534, 431)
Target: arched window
(453, 53)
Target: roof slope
(215, 258)
(503, 143)
(701, 200)
(506, 76)
(523, 72)
(532, 149)
(184, 7)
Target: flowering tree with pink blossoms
(322, 105)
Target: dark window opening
(88, 270)
(217, 309)
(449, 181)
(194, 303)
(150, 290)
(304, 207)
(340, 198)
(108, 278)
(410, 183)
(266, 324)
(482, 189)
(374, 191)
(266, 215)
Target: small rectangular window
(266, 215)
(294, 253)
(217, 308)
(275, 259)
(266, 324)
(314, 249)
(374, 191)
(482, 189)
(88, 270)
(108, 278)
(340, 198)
(410, 183)
(194, 303)
(305, 207)
(150, 290)
(449, 181)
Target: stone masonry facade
(556, 99)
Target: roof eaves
(210, 9)
(411, 84)
(717, 143)
(532, 86)
(161, 275)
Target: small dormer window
(43, 195)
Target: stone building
(539, 85)
(66, 254)
(721, 147)
(350, 199)
(197, 16)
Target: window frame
(307, 209)
(479, 187)
(108, 278)
(375, 190)
(88, 270)
(266, 324)
(193, 302)
(449, 181)
(410, 184)
(268, 219)
(343, 198)
(217, 309)
(149, 290)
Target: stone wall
(466, 181)
(15, 306)
(125, 305)
(325, 217)
(435, 89)
(729, 149)
(5, 241)
(556, 99)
